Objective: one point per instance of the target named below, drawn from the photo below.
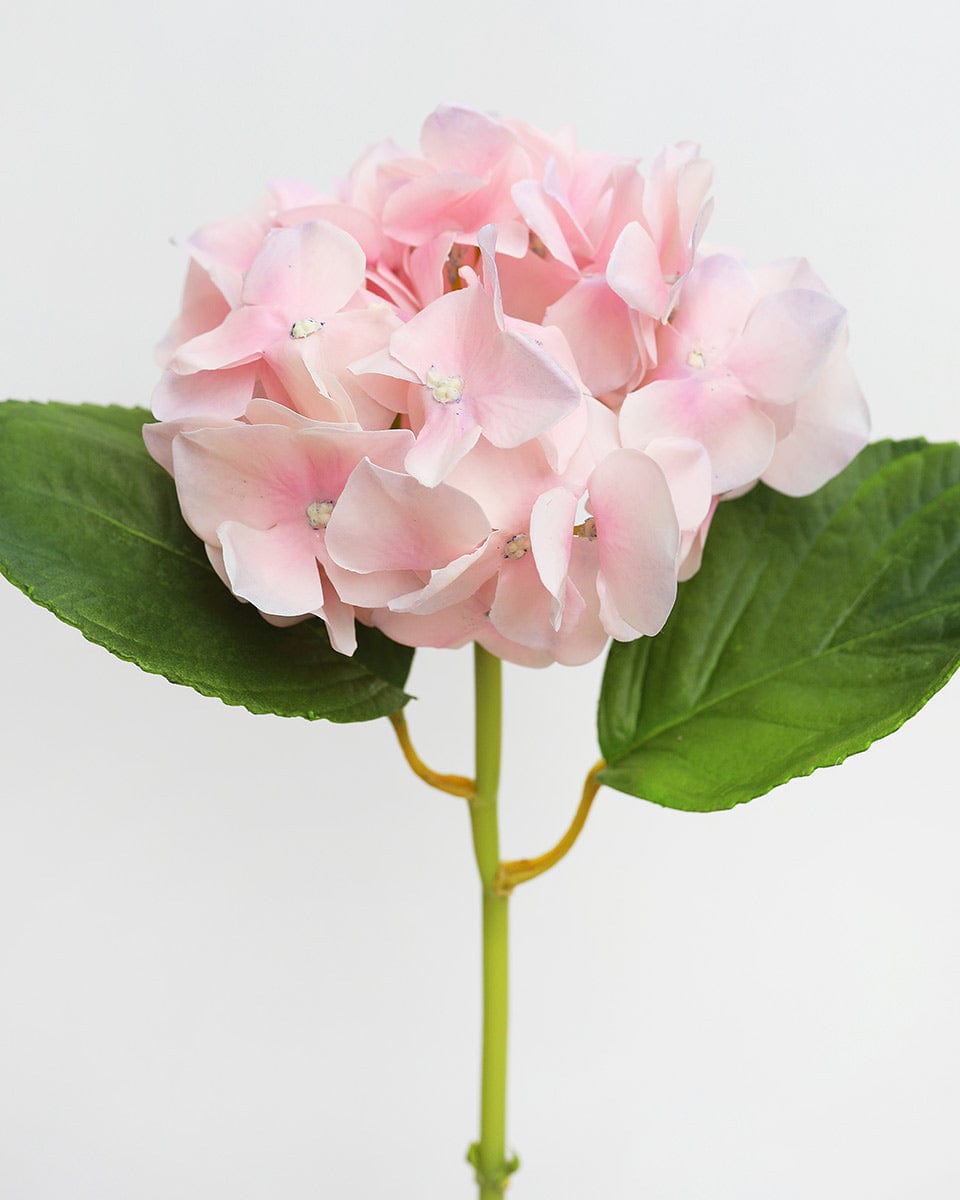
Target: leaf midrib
(136, 533)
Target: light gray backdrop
(238, 956)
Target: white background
(239, 956)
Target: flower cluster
(491, 392)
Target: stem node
(494, 1182)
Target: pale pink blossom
(474, 377)
(728, 360)
(462, 182)
(493, 391)
(299, 283)
(269, 495)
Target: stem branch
(522, 869)
(455, 785)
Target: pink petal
(585, 638)
(738, 437)
(360, 225)
(311, 270)
(382, 281)
(387, 521)
(505, 483)
(585, 183)
(512, 652)
(786, 344)
(267, 412)
(448, 434)
(428, 206)
(783, 416)
(464, 139)
(717, 298)
(241, 338)
(312, 392)
(561, 442)
(512, 240)
(693, 207)
(691, 547)
(454, 626)
(551, 540)
(596, 324)
(637, 540)
(202, 307)
(453, 584)
(239, 473)
(159, 438)
(212, 393)
(686, 468)
(373, 590)
(334, 451)
(623, 204)
(262, 475)
(614, 625)
(598, 437)
(448, 334)
(427, 268)
(634, 271)
(832, 426)
(542, 215)
(275, 569)
(522, 609)
(487, 242)
(674, 201)
(346, 338)
(529, 285)
(382, 362)
(517, 390)
(338, 617)
(225, 249)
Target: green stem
(489, 1154)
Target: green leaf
(90, 528)
(814, 627)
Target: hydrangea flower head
(492, 391)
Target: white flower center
(695, 359)
(517, 546)
(304, 327)
(319, 513)
(446, 388)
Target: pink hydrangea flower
(729, 359)
(473, 377)
(491, 391)
(269, 496)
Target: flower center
(536, 246)
(319, 513)
(517, 546)
(695, 359)
(455, 259)
(447, 389)
(304, 327)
